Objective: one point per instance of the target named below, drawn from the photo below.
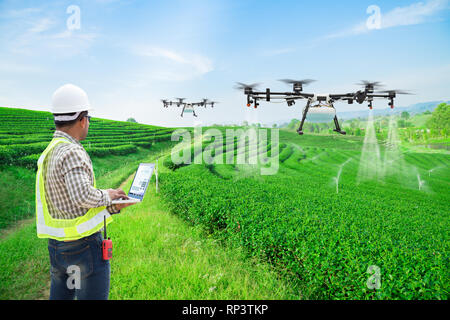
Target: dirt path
(18, 225)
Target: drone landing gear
(338, 128)
(341, 132)
(305, 112)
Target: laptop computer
(140, 183)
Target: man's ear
(83, 122)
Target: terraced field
(322, 228)
(24, 134)
(322, 237)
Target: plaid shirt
(69, 179)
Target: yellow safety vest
(64, 229)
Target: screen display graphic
(142, 179)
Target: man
(70, 210)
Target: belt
(91, 236)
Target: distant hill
(412, 109)
(347, 115)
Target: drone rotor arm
(338, 96)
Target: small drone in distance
(188, 107)
(319, 107)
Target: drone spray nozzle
(249, 101)
(391, 103)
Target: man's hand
(117, 194)
(120, 206)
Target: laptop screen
(141, 180)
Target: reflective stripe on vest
(64, 229)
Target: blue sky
(128, 55)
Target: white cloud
(19, 13)
(37, 42)
(40, 26)
(159, 52)
(175, 66)
(68, 38)
(13, 67)
(276, 52)
(416, 13)
(39, 31)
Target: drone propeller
(369, 83)
(301, 82)
(297, 84)
(396, 91)
(244, 86)
(370, 86)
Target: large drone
(188, 107)
(319, 107)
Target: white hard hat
(70, 98)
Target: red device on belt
(106, 244)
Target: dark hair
(67, 124)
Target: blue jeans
(78, 270)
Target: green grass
(18, 188)
(24, 263)
(156, 256)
